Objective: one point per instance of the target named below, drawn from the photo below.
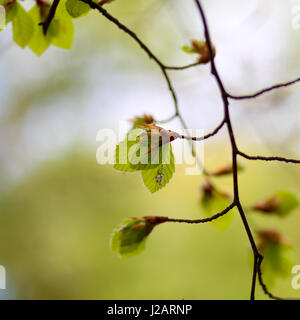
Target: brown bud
(202, 49)
(139, 226)
(145, 119)
(207, 189)
(269, 235)
(162, 135)
(224, 170)
(269, 205)
(154, 220)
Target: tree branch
(263, 91)
(212, 218)
(188, 66)
(217, 129)
(50, 17)
(246, 156)
(234, 148)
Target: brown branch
(217, 129)
(258, 258)
(188, 66)
(287, 160)
(234, 148)
(46, 24)
(212, 218)
(263, 91)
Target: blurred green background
(58, 206)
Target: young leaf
(8, 11)
(11, 11)
(77, 8)
(122, 153)
(39, 43)
(188, 49)
(201, 48)
(62, 31)
(278, 255)
(22, 27)
(227, 169)
(2, 17)
(140, 121)
(214, 201)
(129, 238)
(281, 204)
(143, 150)
(157, 178)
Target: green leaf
(188, 49)
(129, 238)
(2, 17)
(227, 169)
(288, 202)
(22, 27)
(61, 11)
(156, 179)
(140, 158)
(120, 165)
(62, 31)
(139, 121)
(278, 256)
(281, 204)
(213, 202)
(77, 8)
(11, 11)
(133, 154)
(39, 43)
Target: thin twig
(188, 66)
(217, 129)
(46, 24)
(212, 218)
(281, 159)
(263, 91)
(234, 148)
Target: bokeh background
(58, 207)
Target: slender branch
(258, 258)
(50, 17)
(287, 160)
(263, 91)
(174, 116)
(234, 148)
(212, 218)
(217, 129)
(183, 67)
(254, 274)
